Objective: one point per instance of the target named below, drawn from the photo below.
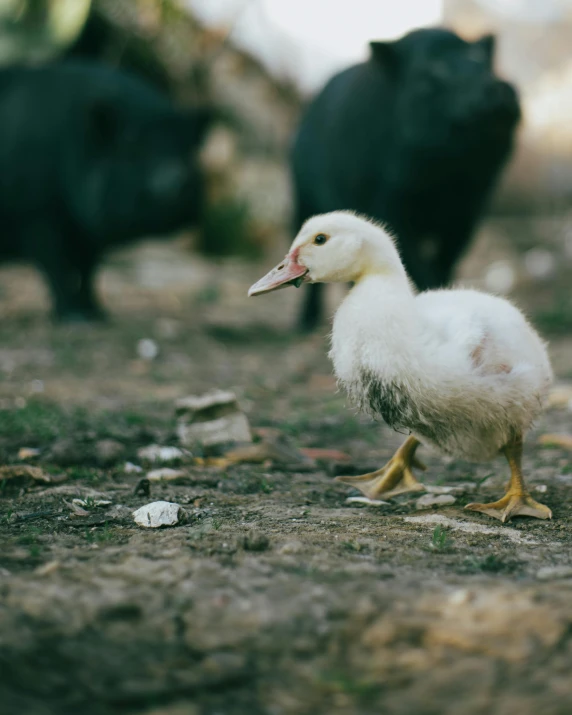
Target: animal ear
(386, 54)
(488, 44)
(103, 120)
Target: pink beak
(287, 272)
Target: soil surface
(275, 595)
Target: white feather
(468, 369)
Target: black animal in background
(90, 158)
(415, 137)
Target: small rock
(255, 541)
(156, 453)
(108, 451)
(16, 477)
(28, 453)
(166, 474)
(500, 277)
(429, 500)
(366, 501)
(434, 489)
(130, 468)
(159, 513)
(147, 349)
(76, 509)
(37, 386)
(212, 418)
(539, 263)
(541, 488)
(462, 488)
(551, 573)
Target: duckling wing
(481, 334)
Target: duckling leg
(517, 501)
(394, 478)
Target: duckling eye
(320, 239)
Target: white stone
(461, 488)
(130, 468)
(212, 418)
(147, 349)
(365, 500)
(500, 277)
(429, 500)
(232, 428)
(156, 453)
(165, 474)
(539, 263)
(158, 513)
(197, 403)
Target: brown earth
(276, 596)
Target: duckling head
(337, 247)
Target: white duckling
(461, 370)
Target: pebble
(165, 474)
(156, 453)
(551, 573)
(366, 501)
(25, 453)
(159, 513)
(429, 500)
(147, 349)
(500, 277)
(462, 488)
(211, 419)
(130, 468)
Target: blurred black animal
(90, 158)
(414, 137)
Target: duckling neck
(377, 328)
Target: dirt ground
(276, 596)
